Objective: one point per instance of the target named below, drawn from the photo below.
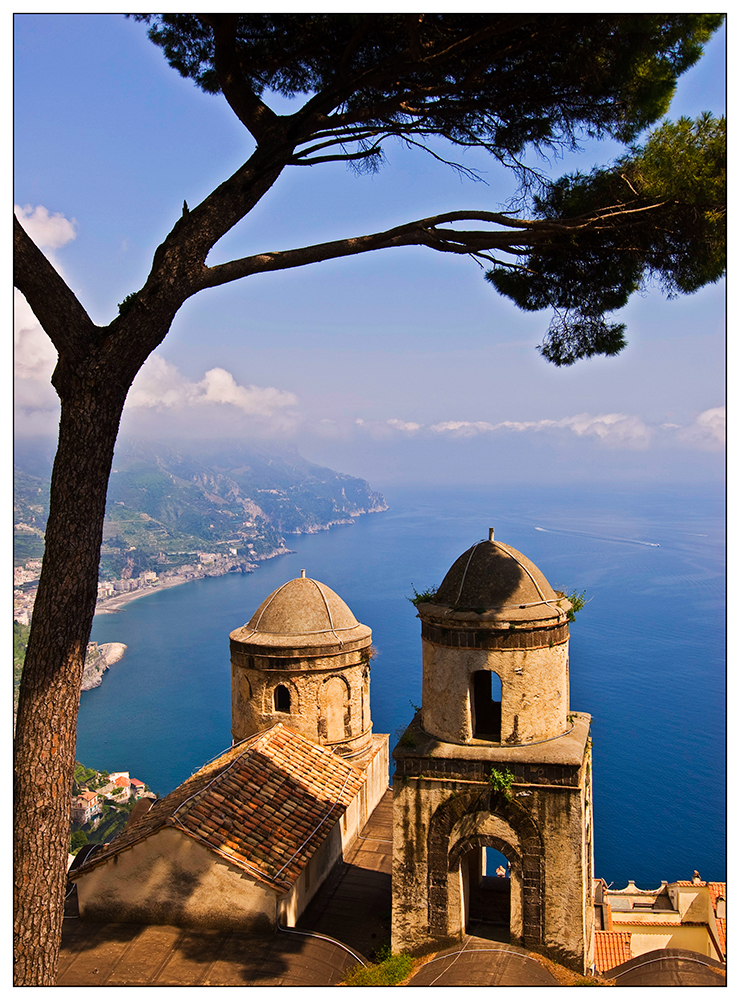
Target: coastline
(112, 605)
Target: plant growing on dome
(423, 597)
(577, 601)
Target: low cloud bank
(614, 430)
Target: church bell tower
(494, 759)
(303, 659)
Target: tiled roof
(717, 889)
(266, 805)
(722, 933)
(647, 920)
(612, 948)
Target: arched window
(282, 698)
(486, 704)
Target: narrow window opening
(486, 706)
(282, 699)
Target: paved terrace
(353, 906)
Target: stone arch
(461, 896)
(335, 700)
(461, 847)
(444, 859)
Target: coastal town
(114, 594)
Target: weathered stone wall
(534, 690)
(444, 806)
(329, 697)
(169, 878)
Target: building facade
(496, 759)
(245, 842)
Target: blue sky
(401, 366)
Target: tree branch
(421, 232)
(254, 114)
(519, 237)
(54, 305)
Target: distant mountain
(167, 503)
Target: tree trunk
(46, 725)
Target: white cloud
(616, 429)
(49, 232)
(160, 385)
(36, 403)
(402, 425)
(707, 431)
(34, 354)
(464, 428)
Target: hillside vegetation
(165, 505)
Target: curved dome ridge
(302, 611)
(492, 577)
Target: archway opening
(488, 892)
(282, 698)
(486, 706)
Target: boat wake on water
(598, 538)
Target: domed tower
(495, 651)
(303, 659)
(495, 760)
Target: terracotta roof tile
(229, 805)
(612, 948)
(722, 933)
(717, 889)
(646, 920)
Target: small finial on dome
(490, 534)
(303, 574)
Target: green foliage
(165, 501)
(84, 775)
(424, 597)
(77, 841)
(501, 780)
(405, 738)
(20, 641)
(389, 970)
(496, 80)
(577, 602)
(655, 216)
(27, 545)
(123, 307)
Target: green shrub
(501, 780)
(425, 597)
(389, 970)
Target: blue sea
(647, 652)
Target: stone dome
(494, 582)
(302, 613)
